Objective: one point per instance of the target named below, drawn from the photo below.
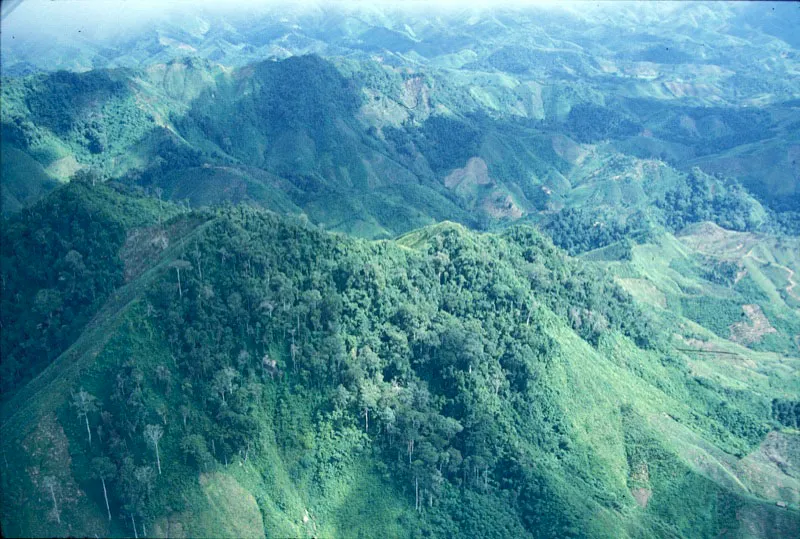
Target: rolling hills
(394, 149)
(300, 371)
(381, 271)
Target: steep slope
(229, 371)
(59, 263)
(374, 151)
(24, 180)
(484, 384)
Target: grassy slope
(209, 134)
(614, 399)
(24, 180)
(663, 274)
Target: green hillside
(482, 384)
(324, 270)
(24, 181)
(376, 151)
(61, 258)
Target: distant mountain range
(381, 272)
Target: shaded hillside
(59, 263)
(371, 150)
(322, 271)
(24, 181)
(485, 384)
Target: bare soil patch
(754, 330)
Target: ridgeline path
(789, 277)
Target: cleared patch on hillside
(468, 182)
(48, 449)
(46, 456)
(642, 493)
(144, 246)
(700, 455)
(466, 179)
(642, 496)
(685, 89)
(416, 95)
(767, 521)
(235, 507)
(171, 526)
(775, 467)
(751, 331)
(500, 205)
(63, 168)
(230, 511)
(643, 290)
(378, 109)
(769, 473)
(713, 240)
(571, 151)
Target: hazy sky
(97, 20)
(33, 11)
(101, 19)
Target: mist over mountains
(351, 270)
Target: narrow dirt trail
(791, 280)
(789, 271)
(61, 374)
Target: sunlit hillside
(350, 270)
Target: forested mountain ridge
(325, 271)
(706, 54)
(691, 84)
(255, 356)
(498, 89)
(396, 149)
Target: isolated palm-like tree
(103, 469)
(84, 403)
(153, 434)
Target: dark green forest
(336, 271)
(59, 264)
(436, 354)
